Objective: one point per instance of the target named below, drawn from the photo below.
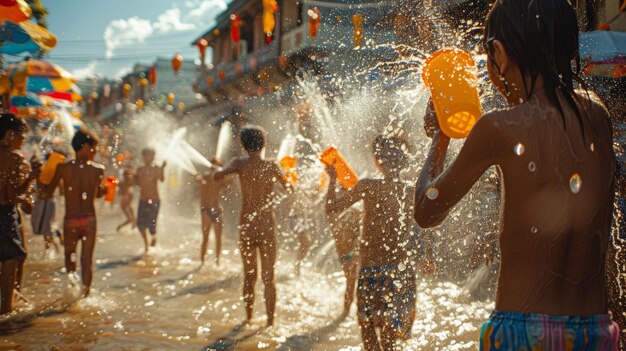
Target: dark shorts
(42, 216)
(386, 296)
(11, 245)
(521, 331)
(147, 214)
(214, 213)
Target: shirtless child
(257, 178)
(81, 180)
(554, 150)
(126, 199)
(16, 178)
(211, 209)
(382, 304)
(148, 178)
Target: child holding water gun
(553, 147)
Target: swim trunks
(147, 214)
(80, 224)
(11, 245)
(530, 332)
(42, 216)
(387, 295)
(214, 213)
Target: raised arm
(337, 204)
(231, 168)
(437, 191)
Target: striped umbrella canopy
(45, 78)
(14, 10)
(613, 68)
(26, 36)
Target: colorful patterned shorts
(386, 296)
(534, 332)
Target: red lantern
(315, 18)
(177, 62)
(202, 45)
(235, 31)
(209, 81)
(221, 75)
(152, 75)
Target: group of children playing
(554, 152)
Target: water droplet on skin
(519, 149)
(432, 193)
(592, 147)
(401, 267)
(534, 230)
(84, 196)
(575, 183)
(532, 166)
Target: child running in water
(16, 179)
(126, 199)
(212, 212)
(258, 178)
(386, 282)
(82, 184)
(554, 149)
(148, 178)
(43, 216)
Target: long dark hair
(542, 37)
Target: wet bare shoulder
(97, 166)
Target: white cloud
(206, 11)
(125, 32)
(122, 72)
(170, 21)
(85, 72)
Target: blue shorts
(147, 214)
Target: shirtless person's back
(258, 178)
(557, 179)
(82, 184)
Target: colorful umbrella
(14, 10)
(602, 45)
(26, 36)
(45, 78)
(614, 68)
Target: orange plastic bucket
(452, 78)
(47, 173)
(345, 174)
(111, 185)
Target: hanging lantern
(221, 75)
(171, 98)
(202, 44)
(94, 95)
(143, 82)
(269, 22)
(357, 32)
(216, 32)
(181, 106)
(177, 62)
(209, 81)
(235, 30)
(152, 75)
(139, 104)
(315, 18)
(126, 89)
(239, 68)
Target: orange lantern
(216, 32)
(269, 23)
(235, 31)
(126, 89)
(221, 75)
(181, 106)
(177, 62)
(120, 158)
(238, 69)
(209, 81)
(315, 18)
(202, 45)
(171, 98)
(357, 32)
(139, 104)
(94, 95)
(143, 82)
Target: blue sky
(106, 38)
